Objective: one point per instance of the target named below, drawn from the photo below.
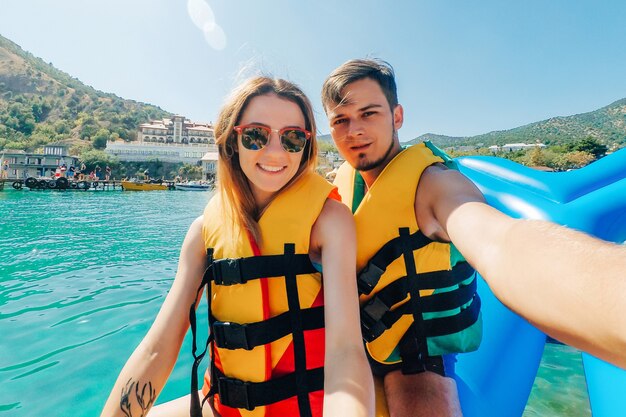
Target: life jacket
(418, 297)
(266, 313)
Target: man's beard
(370, 165)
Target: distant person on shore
(63, 170)
(98, 173)
(272, 218)
(146, 175)
(566, 283)
(5, 170)
(107, 172)
(71, 172)
(83, 171)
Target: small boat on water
(144, 186)
(193, 186)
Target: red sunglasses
(256, 137)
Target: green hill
(607, 125)
(40, 104)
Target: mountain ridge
(40, 103)
(607, 124)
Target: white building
(176, 130)
(166, 152)
(168, 140)
(510, 147)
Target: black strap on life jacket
(240, 394)
(377, 315)
(241, 270)
(195, 407)
(228, 335)
(302, 382)
(369, 276)
(413, 347)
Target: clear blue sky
(463, 67)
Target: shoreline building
(209, 165)
(169, 140)
(510, 147)
(23, 164)
(176, 130)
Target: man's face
(364, 127)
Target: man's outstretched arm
(566, 283)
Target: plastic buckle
(234, 393)
(368, 278)
(372, 313)
(375, 309)
(228, 272)
(231, 335)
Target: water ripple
(57, 351)
(97, 310)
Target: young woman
(281, 344)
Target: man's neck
(370, 176)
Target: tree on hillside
(592, 146)
(100, 139)
(536, 157)
(41, 110)
(20, 118)
(62, 127)
(97, 157)
(573, 160)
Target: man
(443, 206)
(415, 364)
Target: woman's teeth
(270, 168)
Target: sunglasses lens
(293, 140)
(254, 138)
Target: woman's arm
(148, 368)
(566, 283)
(348, 383)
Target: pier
(61, 184)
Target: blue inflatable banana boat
(496, 380)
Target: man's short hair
(355, 70)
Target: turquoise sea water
(82, 276)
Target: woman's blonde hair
(238, 201)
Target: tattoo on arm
(144, 397)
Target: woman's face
(270, 168)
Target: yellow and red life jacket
(266, 309)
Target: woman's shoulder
(335, 208)
(334, 216)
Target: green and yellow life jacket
(418, 296)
